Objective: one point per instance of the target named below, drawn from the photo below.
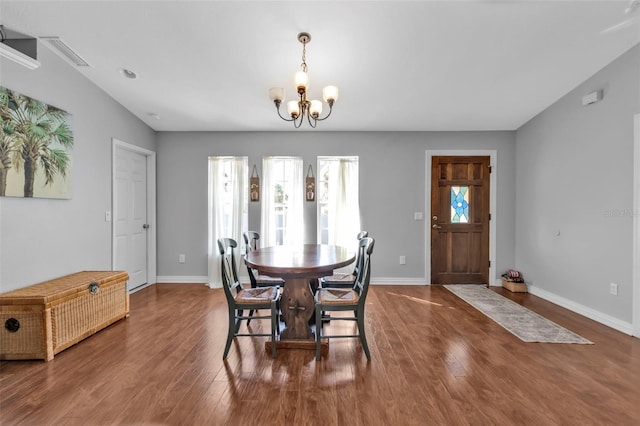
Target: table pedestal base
(298, 344)
(297, 307)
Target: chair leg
(363, 337)
(253, 285)
(230, 334)
(274, 327)
(318, 331)
(237, 328)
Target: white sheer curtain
(225, 222)
(267, 219)
(287, 172)
(343, 204)
(294, 234)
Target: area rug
(520, 321)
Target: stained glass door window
(459, 204)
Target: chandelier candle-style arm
(277, 96)
(311, 109)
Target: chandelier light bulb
(302, 80)
(293, 108)
(276, 94)
(315, 109)
(330, 94)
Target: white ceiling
(400, 65)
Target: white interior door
(130, 216)
(636, 225)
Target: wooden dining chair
(345, 280)
(240, 299)
(338, 299)
(251, 243)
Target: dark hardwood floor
(435, 361)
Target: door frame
(151, 207)
(635, 275)
(493, 161)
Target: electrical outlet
(182, 258)
(613, 288)
(403, 260)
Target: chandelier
(301, 108)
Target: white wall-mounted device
(592, 98)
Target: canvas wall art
(35, 148)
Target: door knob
(145, 226)
(436, 226)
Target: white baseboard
(173, 279)
(609, 321)
(397, 281)
(176, 279)
(133, 290)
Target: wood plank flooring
(435, 361)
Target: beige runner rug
(520, 321)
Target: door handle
(145, 226)
(436, 226)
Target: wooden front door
(460, 220)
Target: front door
(460, 220)
(130, 215)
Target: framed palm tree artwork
(36, 142)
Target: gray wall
(575, 177)
(42, 238)
(392, 188)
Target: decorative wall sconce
(310, 185)
(254, 185)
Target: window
(227, 206)
(337, 199)
(282, 219)
(459, 204)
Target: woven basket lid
(48, 291)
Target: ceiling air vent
(19, 48)
(63, 49)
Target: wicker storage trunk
(41, 320)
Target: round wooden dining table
(298, 265)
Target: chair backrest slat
(251, 243)
(230, 281)
(361, 284)
(360, 254)
(251, 240)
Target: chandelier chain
(303, 65)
